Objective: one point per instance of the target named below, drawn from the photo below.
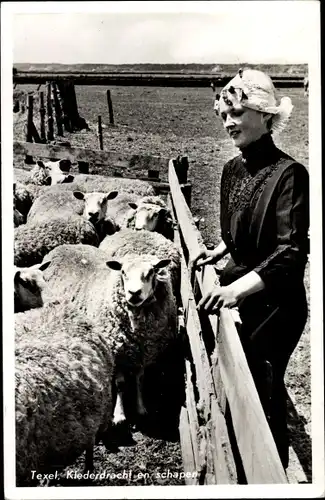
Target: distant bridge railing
(140, 79)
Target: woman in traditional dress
(264, 220)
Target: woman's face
(244, 125)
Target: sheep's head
(28, 286)
(53, 172)
(95, 204)
(149, 216)
(140, 278)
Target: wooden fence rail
(222, 376)
(141, 78)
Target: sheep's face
(28, 285)
(140, 278)
(147, 216)
(55, 172)
(95, 204)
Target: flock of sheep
(96, 286)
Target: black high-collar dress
(264, 223)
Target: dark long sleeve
(287, 262)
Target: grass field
(177, 121)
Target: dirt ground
(180, 121)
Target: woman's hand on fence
(205, 257)
(220, 296)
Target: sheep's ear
(79, 195)
(68, 178)
(114, 264)
(65, 165)
(111, 195)
(162, 263)
(17, 278)
(40, 163)
(44, 265)
(133, 205)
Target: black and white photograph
(162, 219)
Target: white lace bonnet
(255, 90)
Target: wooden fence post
(71, 118)
(110, 107)
(58, 112)
(50, 134)
(42, 115)
(83, 167)
(29, 134)
(100, 132)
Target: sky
(164, 32)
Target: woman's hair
(255, 90)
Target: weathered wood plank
(50, 130)
(259, 455)
(100, 133)
(186, 446)
(192, 237)
(210, 476)
(217, 379)
(192, 413)
(200, 358)
(96, 156)
(42, 116)
(110, 107)
(224, 464)
(29, 133)
(58, 111)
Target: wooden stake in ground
(110, 108)
(50, 134)
(42, 115)
(29, 134)
(58, 112)
(71, 118)
(100, 133)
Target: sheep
(137, 302)
(120, 211)
(21, 175)
(151, 213)
(128, 241)
(145, 307)
(51, 172)
(92, 206)
(28, 287)
(33, 241)
(55, 219)
(51, 204)
(24, 197)
(95, 208)
(30, 184)
(63, 395)
(27, 193)
(18, 218)
(88, 183)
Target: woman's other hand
(220, 296)
(209, 256)
(228, 296)
(205, 257)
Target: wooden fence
(219, 385)
(146, 167)
(141, 78)
(225, 437)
